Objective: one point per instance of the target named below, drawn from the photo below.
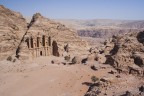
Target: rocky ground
(125, 54)
(41, 77)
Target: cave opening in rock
(140, 37)
(27, 41)
(55, 49)
(115, 49)
(138, 61)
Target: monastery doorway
(40, 53)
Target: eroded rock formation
(126, 53)
(105, 32)
(41, 37)
(12, 28)
(50, 38)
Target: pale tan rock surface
(41, 37)
(127, 52)
(12, 28)
(56, 36)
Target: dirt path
(40, 78)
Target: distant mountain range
(98, 23)
(103, 28)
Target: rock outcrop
(49, 38)
(126, 53)
(12, 28)
(96, 57)
(41, 37)
(104, 28)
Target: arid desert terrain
(46, 57)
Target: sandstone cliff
(41, 27)
(125, 53)
(12, 28)
(46, 37)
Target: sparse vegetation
(77, 60)
(15, 27)
(14, 60)
(67, 58)
(9, 58)
(94, 79)
(74, 60)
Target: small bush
(77, 60)
(67, 58)
(74, 60)
(14, 27)
(52, 61)
(9, 58)
(14, 60)
(94, 79)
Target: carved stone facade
(42, 46)
(45, 37)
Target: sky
(79, 9)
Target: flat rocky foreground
(41, 78)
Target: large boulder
(126, 52)
(96, 57)
(101, 58)
(139, 59)
(94, 90)
(77, 60)
(91, 57)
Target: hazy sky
(79, 9)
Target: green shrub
(94, 79)
(67, 58)
(9, 58)
(14, 60)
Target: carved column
(29, 42)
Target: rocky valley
(103, 28)
(46, 57)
